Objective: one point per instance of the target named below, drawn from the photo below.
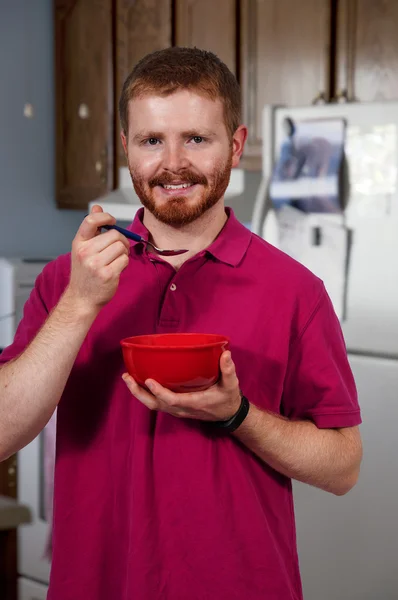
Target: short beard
(176, 212)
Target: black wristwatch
(237, 419)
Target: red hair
(167, 71)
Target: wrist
(249, 424)
(77, 309)
(232, 424)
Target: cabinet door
(284, 59)
(209, 26)
(8, 477)
(142, 26)
(84, 101)
(367, 50)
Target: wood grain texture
(209, 26)
(8, 477)
(8, 539)
(141, 27)
(84, 101)
(367, 49)
(284, 59)
(8, 565)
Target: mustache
(182, 177)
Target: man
(154, 498)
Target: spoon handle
(125, 232)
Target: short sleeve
(319, 384)
(34, 315)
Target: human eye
(197, 140)
(152, 141)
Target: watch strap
(236, 420)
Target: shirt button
(173, 287)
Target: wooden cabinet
(283, 52)
(8, 538)
(209, 25)
(142, 26)
(367, 50)
(277, 48)
(284, 59)
(84, 101)
(97, 43)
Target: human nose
(175, 158)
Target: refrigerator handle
(261, 204)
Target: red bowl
(182, 362)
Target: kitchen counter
(12, 514)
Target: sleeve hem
(336, 420)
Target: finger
(228, 372)
(139, 392)
(166, 396)
(112, 252)
(104, 240)
(118, 265)
(89, 227)
(171, 402)
(96, 209)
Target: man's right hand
(97, 261)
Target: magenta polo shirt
(152, 507)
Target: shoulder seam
(313, 313)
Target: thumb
(227, 368)
(96, 209)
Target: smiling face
(180, 154)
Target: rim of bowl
(126, 344)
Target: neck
(195, 236)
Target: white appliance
(31, 590)
(17, 279)
(348, 546)
(7, 303)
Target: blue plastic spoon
(137, 238)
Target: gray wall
(30, 223)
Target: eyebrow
(200, 132)
(145, 135)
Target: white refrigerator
(348, 546)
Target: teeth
(177, 187)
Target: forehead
(183, 109)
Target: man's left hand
(218, 403)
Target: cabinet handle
(12, 473)
(320, 98)
(101, 165)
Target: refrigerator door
(370, 324)
(348, 546)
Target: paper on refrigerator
(322, 245)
